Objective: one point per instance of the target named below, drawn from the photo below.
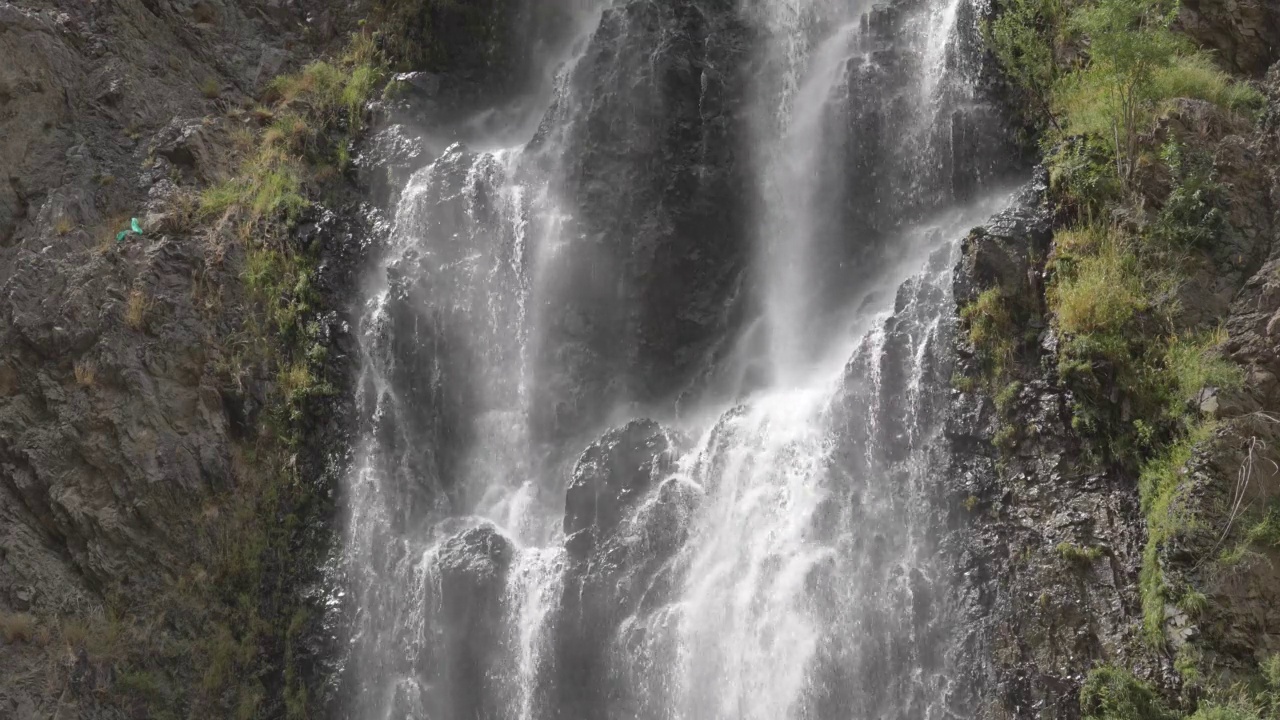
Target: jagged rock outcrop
(623, 520)
(1040, 620)
(466, 585)
(1245, 33)
(1233, 478)
(1054, 539)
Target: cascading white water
(782, 564)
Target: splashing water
(772, 551)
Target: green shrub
(1082, 175)
(1007, 396)
(1214, 711)
(1079, 556)
(211, 88)
(17, 627)
(1103, 291)
(1193, 364)
(312, 115)
(1193, 603)
(1023, 37)
(1195, 76)
(991, 330)
(1260, 531)
(1129, 41)
(1192, 216)
(1110, 693)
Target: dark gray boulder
(467, 582)
(624, 519)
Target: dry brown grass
(86, 372)
(63, 225)
(17, 627)
(136, 309)
(105, 234)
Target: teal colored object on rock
(133, 229)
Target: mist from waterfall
(773, 553)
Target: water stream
(736, 219)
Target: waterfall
(651, 397)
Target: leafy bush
(1262, 530)
(312, 115)
(1110, 693)
(1023, 37)
(17, 627)
(1099, 73)
(211, 88)
(991, 328)
(1189, 366)
(1214, 711)
(1083, 176)
(1077, 555)
(1192, 216)
(1129, 42)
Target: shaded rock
(118, 432)
(472, 568)
(1246, 33)
(610, 477)
(388, 159)
(193, 148)
(463, 648)
(619, 533)
(1004, 253)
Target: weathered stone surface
(623, 519)
(120, 394)
(467, 585)
(1038, 622)
(1245, 33)
(1044, 616)
(610, 477)
(1002, 253)
(1237, 468)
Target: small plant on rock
(211, 88)
(136, 308)
(1077, 555)
(1111, 693)
(85, 372)
(17, 627)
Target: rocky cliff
(1124, 573)
(174, 395)
(154, 554)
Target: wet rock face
(444, 340)
(1004, 252)
(468, 578)
(899, 151)
(610, 477)
(82, 86)
(620, 527)
(656, 187)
